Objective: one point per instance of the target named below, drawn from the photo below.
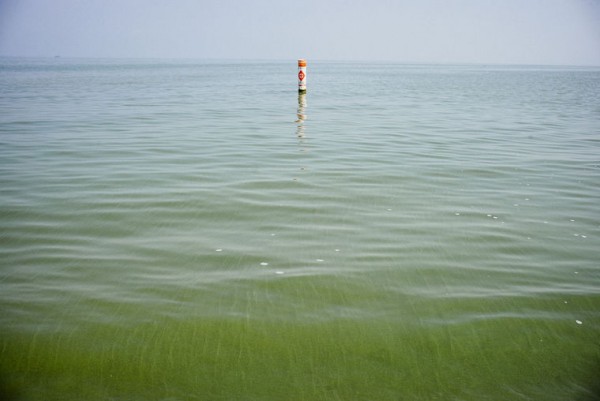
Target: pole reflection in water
(301, 113)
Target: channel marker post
(302, 75)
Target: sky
(554, 32)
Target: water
(181, 230)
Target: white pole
(301, 75)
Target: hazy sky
(439, 31)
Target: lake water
(187, 230)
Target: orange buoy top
(301, 63)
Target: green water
(199, 231)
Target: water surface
(182, 230)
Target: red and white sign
(302, 75)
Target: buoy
(302, 75)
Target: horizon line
(318, 60)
